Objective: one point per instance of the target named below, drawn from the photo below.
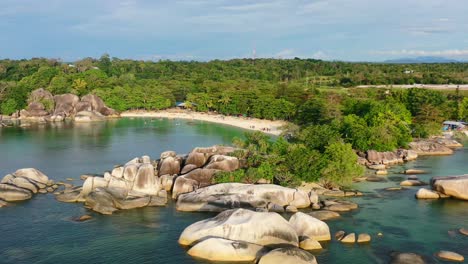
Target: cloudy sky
(354, 30)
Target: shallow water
(41, 230)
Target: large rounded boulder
(288, 255)
(65, 105)
(307, 226)
(224, 250)
(456, 186)
(266, 229)
(219, 197)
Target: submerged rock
(225, 196)
(412, 183)
(376, 179)
(414, 171)
(224, 250)
(407, 258)
(288, 255)
(340, 206)
(70, 195)
(83, 218)
(266, 229)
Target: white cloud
(252, 7)
(320, 55)
(285, 54)
(404, 52)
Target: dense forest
(330, 118)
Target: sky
(349, 30)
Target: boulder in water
(11, 193)
(412, 183)
(224, 250)
(307, 226)
(324, 215)
(225, 196)
(88, 116)
(310, 244)
(427, 194)
(288, 255)
(456, 186)
(266, 229)
(463, 231)
(349, 238)
(363, 238)
(450, 256)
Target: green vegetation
(289, 163)
(330, 117)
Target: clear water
(41, 230)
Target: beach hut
(453, 125)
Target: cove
(41, 230)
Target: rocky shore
(250, 226)
(45, 107)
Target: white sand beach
(266, 126)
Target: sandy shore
(266, 126)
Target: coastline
(266, 126)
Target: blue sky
(354, 30)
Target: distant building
(408, 71)
(454, 125)
(183, 104)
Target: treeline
(329, 122)
(265, 88)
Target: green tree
(9, 106)
(341, 164)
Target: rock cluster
(245, 235)
(23, 184)
(43, 106)
(145, 182)
(200, 167)
(133, 185)
(453, 186)
(444, 187)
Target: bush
(9, 107)
(341, 164)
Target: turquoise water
(41, 230)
